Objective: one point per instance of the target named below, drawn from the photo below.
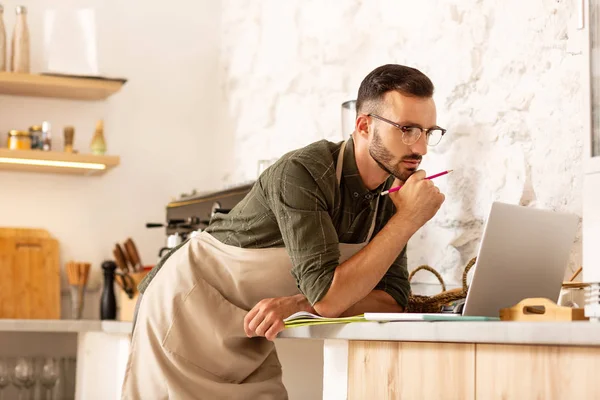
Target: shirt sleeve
(395, 281)
(300, 203)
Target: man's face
(386, 145)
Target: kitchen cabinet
(100, 347)
(536, 372)
(457, 360)
(405, 370)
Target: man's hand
(266, 317)
(418, 200)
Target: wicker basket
(433, 304)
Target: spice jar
(36, 137)
(19, 140)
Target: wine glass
(23, 375)
(4, 376)
(49, 375)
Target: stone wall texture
(508, 89)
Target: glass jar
(19, 140)
(572, 294)
(35, 132)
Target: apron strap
(338, 175)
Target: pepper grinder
(108, 302)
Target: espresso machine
(192, 213)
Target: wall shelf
(56, 162)
(54, 86)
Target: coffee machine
(189, 214)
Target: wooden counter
(458, 360)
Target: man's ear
(362, 125)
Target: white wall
(507, 77)
(161, 124)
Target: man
(313, 234)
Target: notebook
(304, 318)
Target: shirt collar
(352, 178)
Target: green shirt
(297, 203)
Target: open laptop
(523, 253)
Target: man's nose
(420, 146)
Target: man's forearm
(355, 278)
(376, 301)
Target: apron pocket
(208, 332)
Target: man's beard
(384, 159)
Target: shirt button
(356, 194)
(368, 196)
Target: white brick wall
(507, 77)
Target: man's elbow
(327, 310)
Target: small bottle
(69, 132)
(98, 145)
(2, 41)
(46, 136)
(36, 137)
(20, 43)
(108, 301)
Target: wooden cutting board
(29, 274)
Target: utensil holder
(76, 303)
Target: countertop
(64, 326)
(546, 333)
(580, 333)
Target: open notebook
(304, 318)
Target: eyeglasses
(411, 134)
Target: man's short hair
(406, 80)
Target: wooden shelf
(61, 87)
(56, 162)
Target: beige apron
(189, 340)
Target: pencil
(395, 189)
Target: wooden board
(406, 370)
(541, 309)
(29, 276)
(23, 157)
(57, 86)
(537, 372)
(24, 232)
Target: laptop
(523, 253)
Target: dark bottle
(108, 302)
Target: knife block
(127, 305)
